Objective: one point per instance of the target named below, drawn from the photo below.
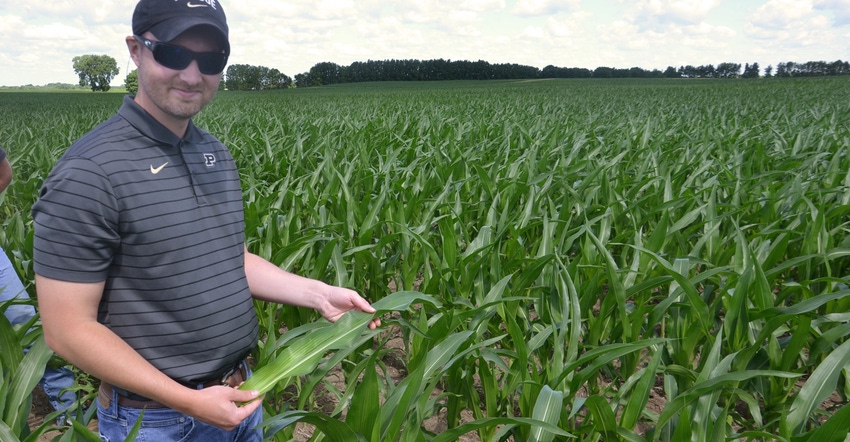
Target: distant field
(634, 259)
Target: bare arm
(268, 282)
(5, 174)
(69, 317)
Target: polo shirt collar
(150, 127)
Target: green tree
(728, 70)
(131, 82)
(95, 71)
(751, 71)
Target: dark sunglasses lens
(172, 57)
(211, 63)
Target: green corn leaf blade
(547, 408)
(399, 404)
(334, 429)
(27, 375)
(80, 432)
(531, 273)
(604, 421)
(817, 388)
(711, 386)
(762, 435)
(481, 242)
(696, 302)
(683, 427)
(779, 316)
(304, 354)
(827, 340)
(400, 301)
(761, 291)
(6, 433)
(601, 356)
(802, 307)
(574, 307)
(753, 405)
(628, 435)
(364, 411)
(615, 285)
(320, 266)
(795, 347)
(335, 359)
(377, 205)
(11, 352)
(341, 278)
(453, 434)
(640, 395)
(49, 421)
(442, 352)
(449, 241)
(687, 220)
(835, 429)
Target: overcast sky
(38, 38)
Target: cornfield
(594, 260)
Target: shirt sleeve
(76, 223)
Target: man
(56, 382)
(142, 274)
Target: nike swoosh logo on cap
(156, 170)
(197, 5)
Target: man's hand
(338, 300)
(217, 406)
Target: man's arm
(269, 282)
(5, 174)
(69, 318)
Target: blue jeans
(166, 425)
(56, 382)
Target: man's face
(174, 96)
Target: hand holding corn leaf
(304, 353)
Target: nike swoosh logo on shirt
(156, 170)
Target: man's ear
(135, 49)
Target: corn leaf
(334, 429)
(548, 408)
(364, 411)
(453, 434)
(833, 430)
(817, 388)
(27, 375)
(304, 354)
(640, 396)
(604, 422)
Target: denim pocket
(176, 427)
(158, 425)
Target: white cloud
(781, 14)
(839, 8)
(659, 15)
(544, 7)
(294, 35)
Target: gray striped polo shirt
(160, 220)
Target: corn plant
(636, 259)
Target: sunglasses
(178, 57)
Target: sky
(39, 38)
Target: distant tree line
(246, 77)
(97, 71)
(243, 77)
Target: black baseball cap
(167, 19)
